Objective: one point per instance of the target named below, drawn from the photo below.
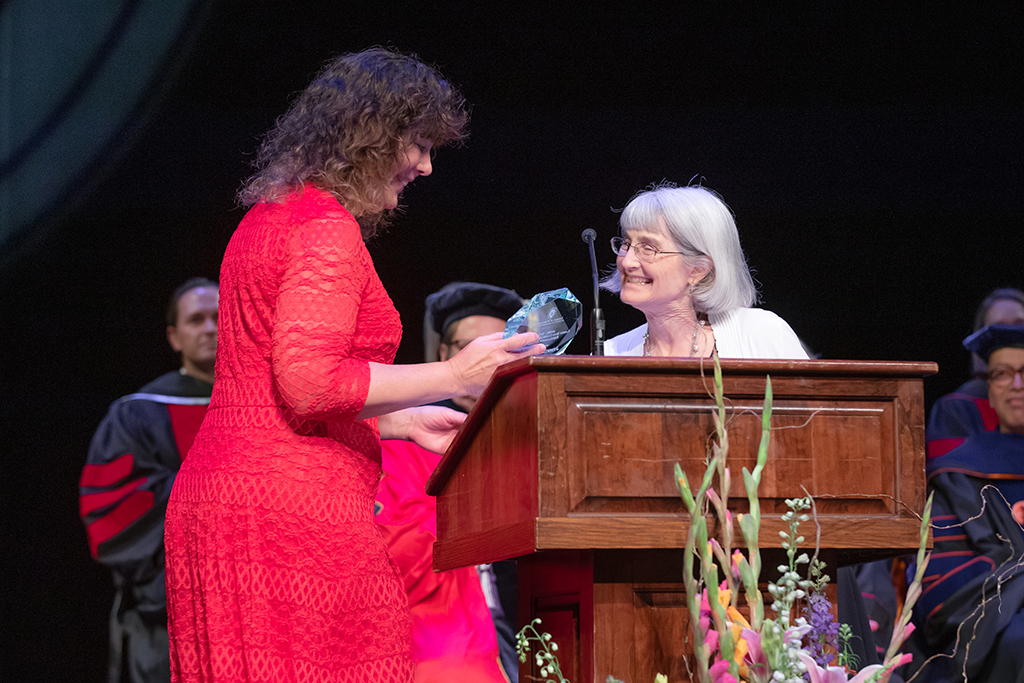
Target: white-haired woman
(680, 262)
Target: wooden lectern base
(615, 613)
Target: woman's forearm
(395, 387)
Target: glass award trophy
(556, 316)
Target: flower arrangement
(787, 647)
(729, 648)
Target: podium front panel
(573, 453)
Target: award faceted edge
(556, 316)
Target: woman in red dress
(275, 569)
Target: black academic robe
(974, 584)
(133, 459)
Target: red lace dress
(276, 570)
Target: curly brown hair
(345, 132)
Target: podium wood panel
(564, 449)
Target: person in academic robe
(132, 462)
(463, 620)
(972, 603)
(966, 411)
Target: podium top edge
(640, 364)
(907, 371)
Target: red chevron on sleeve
(94, 501)
(118, 519)
(937, 447)
(111, 473)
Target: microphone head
(589, 235)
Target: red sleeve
(408, 516)
(326, 272)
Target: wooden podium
(566, 463)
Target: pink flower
(705, 606)
(736, 624)
(865, 674)
(829, 674)
(755, 664)
(835, 674)
(719, 672)
(711, 639)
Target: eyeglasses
(641, 250)
(1003, 375)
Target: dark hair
(997, 295)
(344, 133)
(183, 289)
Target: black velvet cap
(458, 300)
(989, 339)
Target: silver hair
(704, 230)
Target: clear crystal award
(556, 316)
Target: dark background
(871, 153)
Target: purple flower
(824, 633)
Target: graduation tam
(989, 339)
(459, 300)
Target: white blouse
(740, 333)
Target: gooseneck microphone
(596, 316)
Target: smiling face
(1008, 401)
(413, 162)
(662, 285)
